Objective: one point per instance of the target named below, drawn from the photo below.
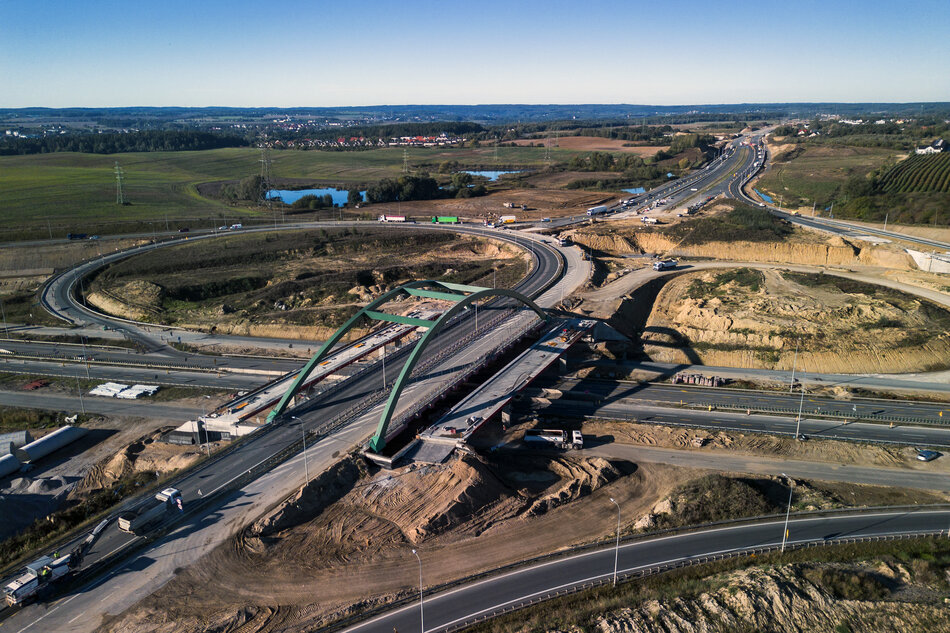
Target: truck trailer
(508, 219)
(392, 218)
(36, 577)
(597, 210)
(554, 437)
(444, 219)
(139, 519)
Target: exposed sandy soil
(595, 143)
(756, 319)
(346, 538)
(831, 451)
(866, 597)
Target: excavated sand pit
(343, 543)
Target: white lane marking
(47, 614)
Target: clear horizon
(304, 54)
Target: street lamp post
(303, 436)
(791, 385)
(798, 423)
(617, 547)
(3, 312)
(422, 620)
(788, 510)
(82, 406)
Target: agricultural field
(815, 174)
(55, 194)
(919, 173)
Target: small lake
(636, 190)
(291, 196)
(767, 199)
(493, 175)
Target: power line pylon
(119, 198)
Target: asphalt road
(93, 404)
(722, 461)
(279, 437)
(768, 401)
(486, 597)
(916, 436)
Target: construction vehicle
(36, 577)
(554, 437)
(139, 519)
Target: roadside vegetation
(742, 222)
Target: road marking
(48, 613)
(77, 617)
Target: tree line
(112, 143)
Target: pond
(768, 199)
(291, 196)
(636, 190)
(493, 175)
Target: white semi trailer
(554, 437)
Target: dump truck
(554, 437)
(147, 514)
(36, 577)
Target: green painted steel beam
(395, 318)
(461, 287)
(379, 439)
(435, 294)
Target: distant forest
(149, 141)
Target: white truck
(36, 577)
(597, 210)
(664, 264)
(647, 220)
(508, 219)
(140, 518)
(392, 218)
(554, 437)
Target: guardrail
(643, 536)
(671, 566)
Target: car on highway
(802, 437)
(184, 230)
(927, 455)
(222, 228)
(94, 237)
(545, 219)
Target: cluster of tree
(250, 188)
(393, 130)
(312, 201)
(404, 188)
(147, 141)
(890, 134)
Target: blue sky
(294, 53)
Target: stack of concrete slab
(118, 390)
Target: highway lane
(326, 406)
(125, 374)
(854, 408)
(105, 406)
(915, 476)
(489, 596)
(917, 436)
(936, 382)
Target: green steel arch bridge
(460, 295)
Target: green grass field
(75, 193)
(815, 175)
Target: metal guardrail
(672, 566)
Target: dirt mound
(579, 477)
(145, 454)
(138, 300)
(749, 318)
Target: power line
(119, 198)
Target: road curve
(453, 608)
